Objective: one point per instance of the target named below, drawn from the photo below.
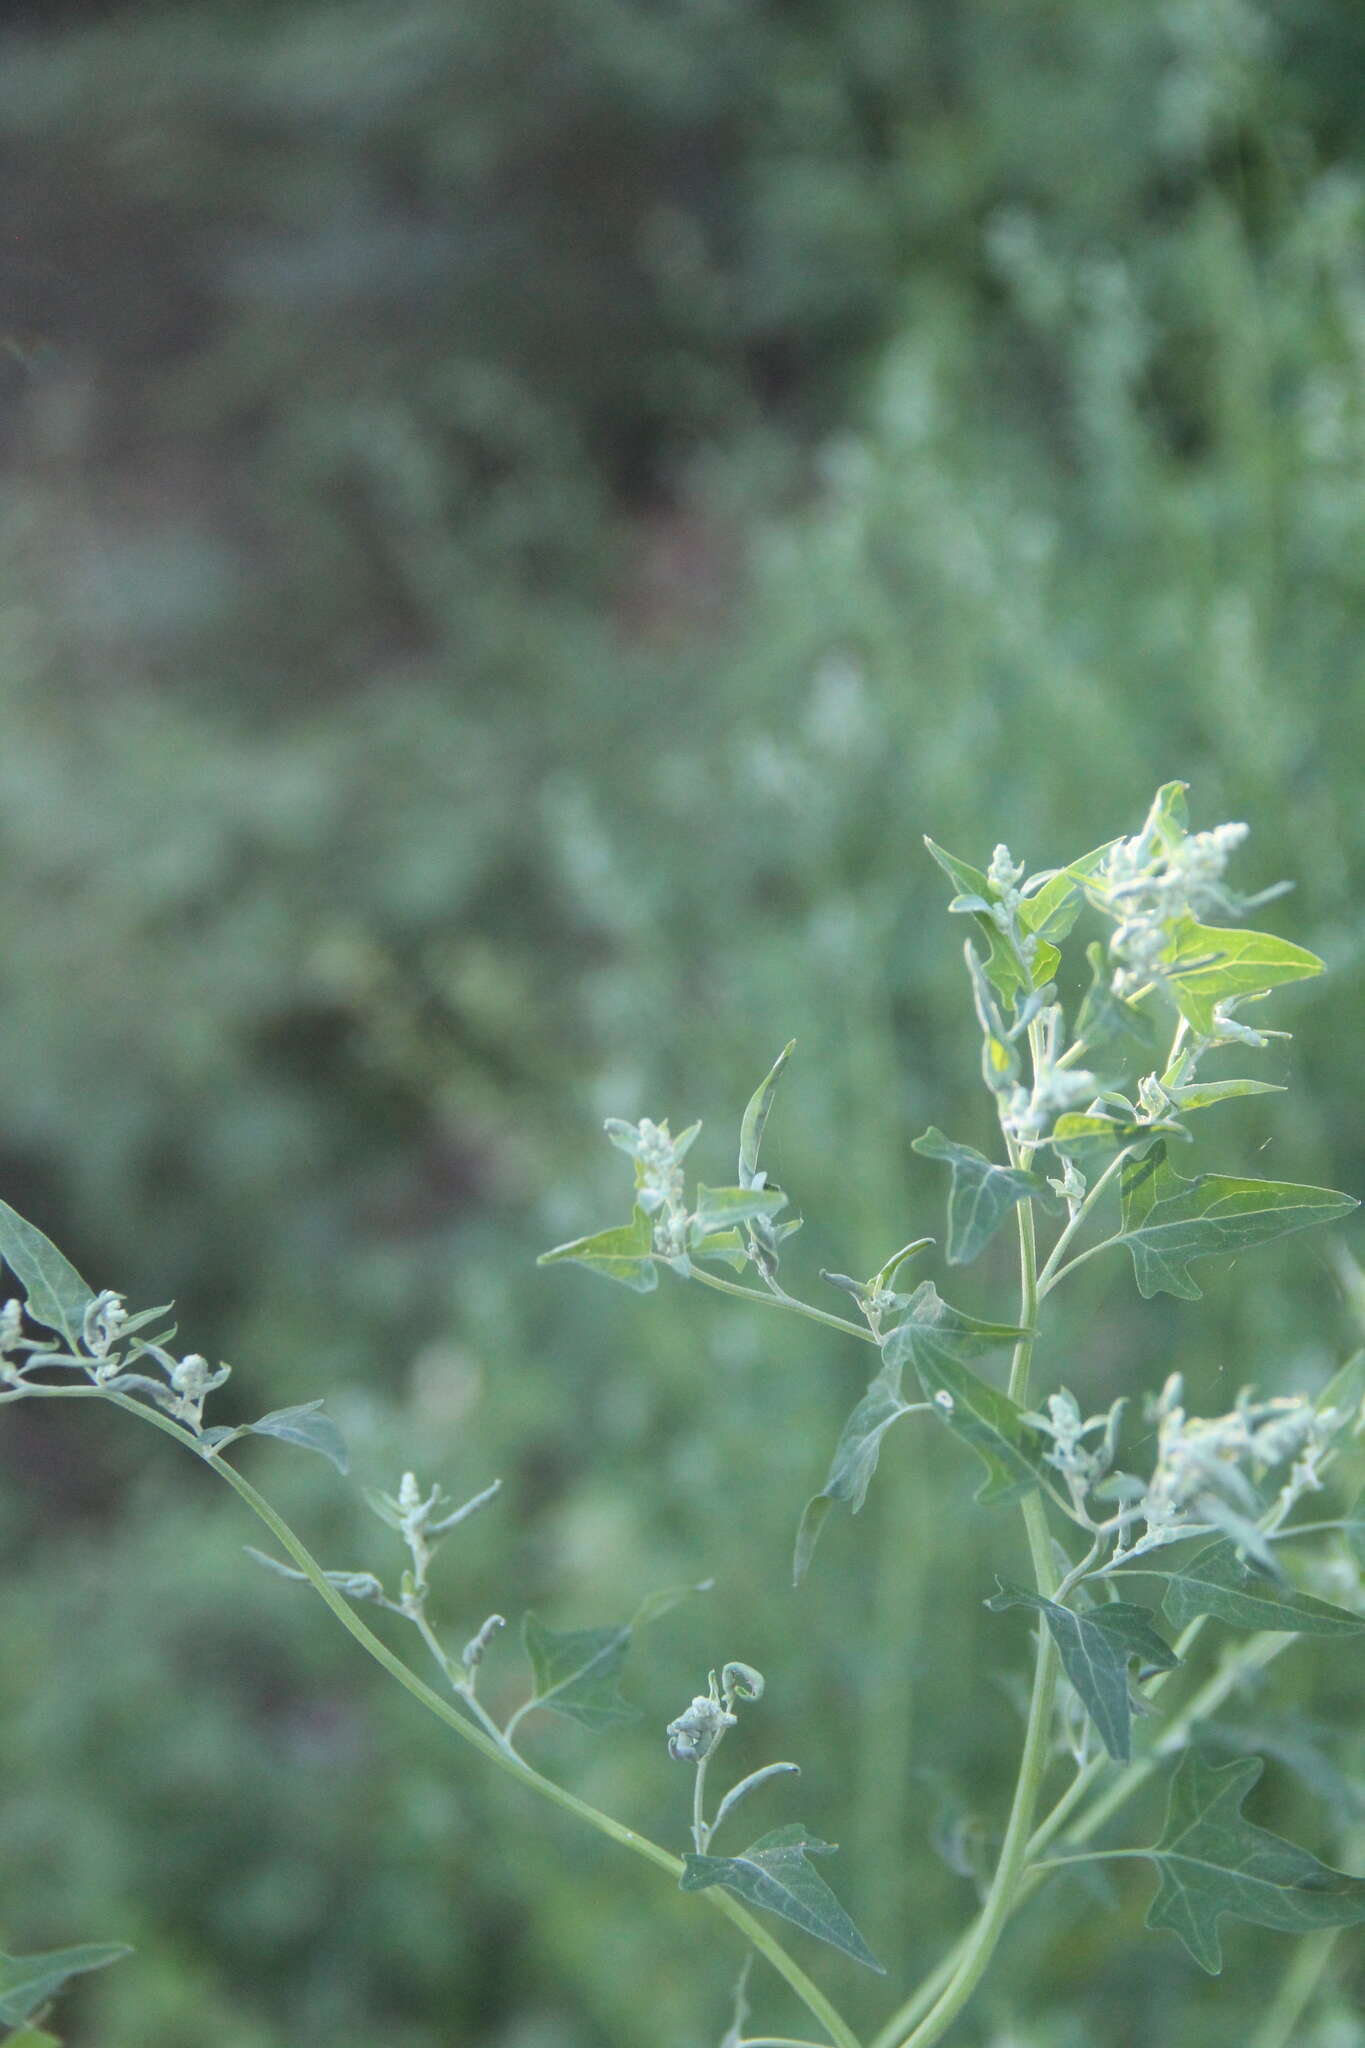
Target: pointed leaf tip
(774, 1873)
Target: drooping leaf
(756, 1116)
(1213, 1861)
(623, 1254)
(774, 1874)
(1168, 1221)
(27, 1982)
(1096, 1649)
(55, 1294)
(1205, 965)
(854, 1461)
(1216, 1581)
(935, 1339)
(721, 1208)
(576, 1672)
(999, 1060)
(307, 1427)
(980, 1195)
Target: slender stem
(980, 1944)
(1091, 1856)
(498, 1752)
(1259, 1650)
(1105, 1244)
(701, 1834)
(776, 2041)
(1280, 2027)
(781, 1300)
(1083, 1212)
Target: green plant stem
(982, 1938)
(701, 1834)
(1092, 1251)
(1280, 2027)
(780, 1300)
(1253, 1654)
(1077, 1222)
(497, 1751)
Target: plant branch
(499, 1751)
(782, 1300)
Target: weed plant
(1244, 1529)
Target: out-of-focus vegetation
(516, 521)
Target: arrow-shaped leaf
(854, 1461)
(27, 1982)
(719, 1208)
(756, 1117)
(774, 1874)
(935, 1338)
(1218, 1582)
(1096, 1649)
(981, 1194)
(307, 1427)
(1168, 1221)
(576, 1672)
(623, 1254)
(1206, 965)
(55, 1294)
(1212, 1861)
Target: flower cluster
(659, 1185)
(109, 1346)
(1206, 1467)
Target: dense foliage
(519, 520)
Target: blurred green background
(516, 520)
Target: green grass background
(516, 521)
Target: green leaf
(854, 1461)
(1096, 1649)
(720, 1208)
(935, 1339)
(307, 1427)
(1104, 1019)
(623, 1254)
(727, 1245)
(774, 1874)
(27, 1982)
(999, 1060)
(1201, 1094)
(1050, 912)
(1212, 1861)
(55, 1294)
(1205, 965)
(576, 1672)
(1168, 1221)
(32, 2037)
(756, 1117)
(1355, 1530)
(1218, 1582)
(1004, 969)
(981, 1194)
(1345, 1392)
(655, 1605)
